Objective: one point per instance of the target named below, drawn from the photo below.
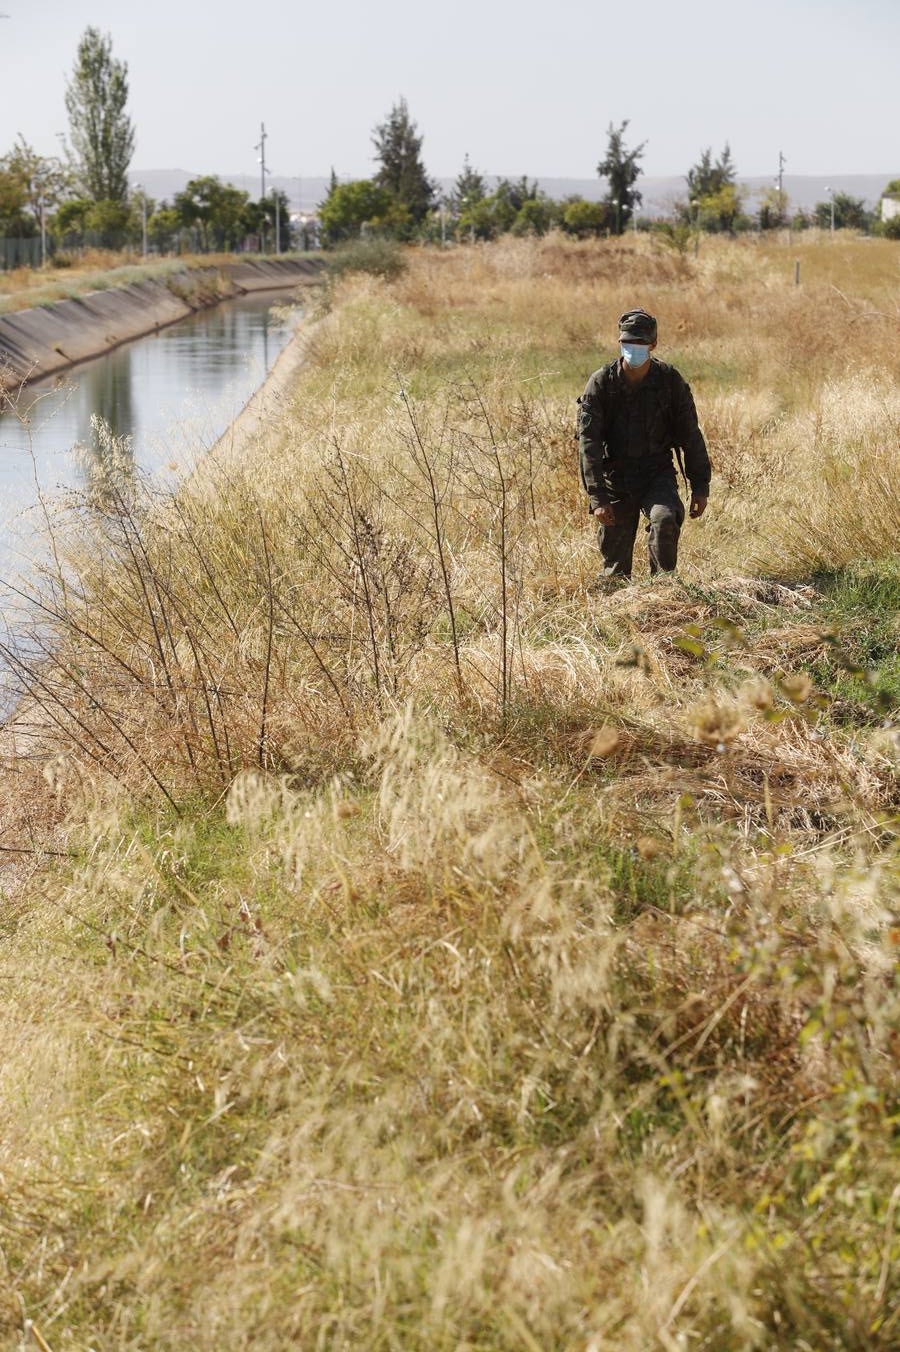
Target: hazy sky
(523, 88)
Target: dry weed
(450, 957)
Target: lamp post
(139, 187)
(830, 192)
(465, 203)
(43, 232)
(261, 161)
(617, 204)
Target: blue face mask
(635, 354)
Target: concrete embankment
(40, 342)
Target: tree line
(84, 193)
(402, 202)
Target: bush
(585, 218)
(382, 257)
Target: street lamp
(43, 231)
(465, 203)
(830, 192)
(617, 204)
(139, 187)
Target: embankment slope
(48, 339)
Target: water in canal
(173, 393)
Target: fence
(27, 253)
(24, 253)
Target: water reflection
(173, 393)
(109, 449)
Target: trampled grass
(436, 954)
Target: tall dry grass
(444, 956)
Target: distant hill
(803, 190)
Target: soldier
(634, 413)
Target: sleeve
(592, 444)
(689, 437)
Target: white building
(890, 207)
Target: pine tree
(706, 179)
(101, 131)
(398, 150)
(620, 169)
(469, 187)
(714, 200)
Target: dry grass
(95, 270)
(448, 957)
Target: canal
(172, 393)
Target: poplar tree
(398, 149)
(102, 135)
(620, 169)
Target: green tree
(773, 207)
(620, 168)
(479, 220)
(46, 179)
(705, 178)
(714, 200)
(849, 213)
(398, 150)
(350, 208)
(15, 219)
(535, 216)
(581, 219)
(469, 187)
(108, 221)
(30, 185)
(101, 132)
(217, 209)
(516, 192)
(163, 228)
(71, 216)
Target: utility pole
(781, 163)
(262, 159)
(261, 147)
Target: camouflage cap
(636, 326)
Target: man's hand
(698, 506)
(605, 515)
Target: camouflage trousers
(664, 511)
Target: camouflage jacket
(627, 433)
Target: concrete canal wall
(40, 342)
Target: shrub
(381, 257)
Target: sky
(527, 88)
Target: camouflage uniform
(627, 433)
